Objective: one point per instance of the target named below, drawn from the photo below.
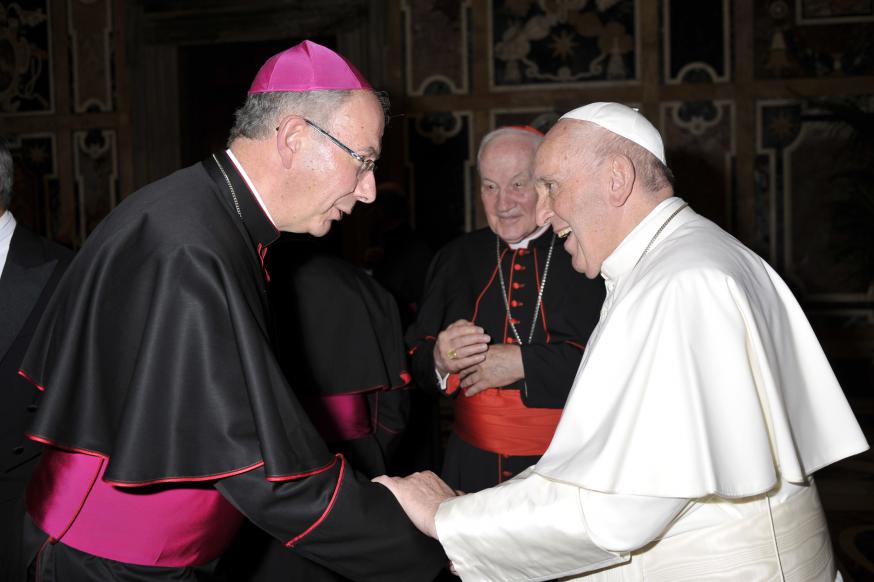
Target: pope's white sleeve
(624, 523)
(531, 528)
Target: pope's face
(506, 186)
(569, 184)
(331, 182)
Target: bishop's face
(330, 181)
(506, 186)
(569, 184)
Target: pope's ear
(621, 179)
(289, 138)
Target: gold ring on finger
(451, 354)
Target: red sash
(497, 421)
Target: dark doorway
(213, 81)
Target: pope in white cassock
(701, 409)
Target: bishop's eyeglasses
(367, 165)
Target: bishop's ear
(621, 179)
(289, 137)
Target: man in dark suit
(30, 266)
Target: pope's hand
(419, 494)
(459, 346)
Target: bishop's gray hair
(262, 112)
(6, 175)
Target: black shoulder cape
(156, 350)
(339, 330)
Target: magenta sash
(180, 526)
(341, 417)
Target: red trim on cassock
(302, 475)
(262, 254)
(581, 347)
(36, 385)
(489, 284)
(413, 349)
(381, 426)
(509, 294)
(452, 384)
(297, 538)
(542, 302)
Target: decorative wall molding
(440, 158)
(26, 83)
(89, 23)
(95, 170)
(436, 40)
(700, 146)
(700, 59)
(815, 210)
(597, 44)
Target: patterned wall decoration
(700, 148)
(821, 185)
(813, 38)
(25, 58)
(36, 201)
(696, 41)
(436, 49)
(90, 28)
(554, 43)
(536, 117)
(95, 168)
(440, 158)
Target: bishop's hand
(501, 366)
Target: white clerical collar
(523, 244)
(623, 259)
(250, 184)
(7, 227)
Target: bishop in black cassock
(167, 415)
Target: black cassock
(463, 283)
(156, 352)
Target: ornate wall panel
(696, 41)
(821, 185)
(25, 57)
(700, 148)
(440, 158)
(95, 169)
(90, 29)
(813, 38)
(536, 117)
(36, 201)
(558, 43)
(436, 46)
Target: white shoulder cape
(702, 377)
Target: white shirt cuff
(441, 380)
